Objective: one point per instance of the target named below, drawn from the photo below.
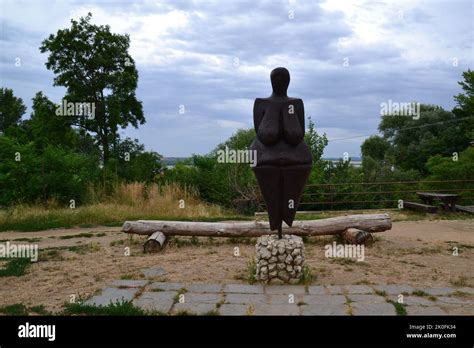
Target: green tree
(94, 65)
(465, 104)
(11, 109)
(413, 141)
(375, 147)
(317, 143)
(45, 128)
(133, 163)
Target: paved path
(240, 299)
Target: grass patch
(181, 291)
(15, 267)
(307, 276)
(115, 309)
(132, 201)
(399, 308)
(251, 271)
(14, 309)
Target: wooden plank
(420, 206)
(465, 209)
(335, 225)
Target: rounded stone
(279, 260)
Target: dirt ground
(418, 253)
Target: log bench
(420, 206)
(350, 227)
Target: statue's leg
(294, 180)
(269, 180)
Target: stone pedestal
(279, 259)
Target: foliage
(11, 109)
(413, 141)
(95, 66)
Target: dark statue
(283, 159)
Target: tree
(413, 141)
(375, 147)
(45, 128)
(11, 109)
(133, 163)
(95, 67)
(316, 142)
(465, 104)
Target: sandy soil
(418, 253)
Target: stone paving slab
(235, 309)
(466, 290)
(367, 298)
(358, 289)
(112, 295)
(418, 301)
(204, 288)
(160, 301)
(459, 310)
(278, 309)
(324, 299)
(285, 299)
(439, 291)
(194, 297)
(285, 289)
(324, 309)
(243, 288)
(335, 289)
(127, 283)
(317, 290)
(422, 310)
(246, 298)
(395, 289)
(194, 308)
(154, 272)
(452, 300)
(167, 286)
(359, 308)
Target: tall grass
(127, 202)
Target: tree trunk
(335, 225)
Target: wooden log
(355, 236)
(154, 243)
(465, 209)
(335, 225)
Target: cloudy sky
(214, 57)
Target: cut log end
(154, 243)
(355, 236)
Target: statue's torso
(276, 149)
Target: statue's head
(280, 78)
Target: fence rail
(386, 194)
